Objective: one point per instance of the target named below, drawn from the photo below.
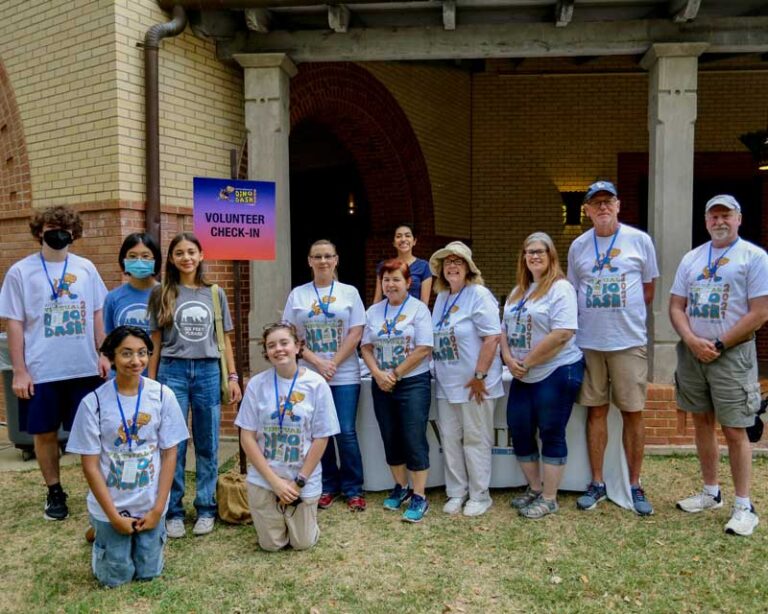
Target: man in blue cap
(719, 299)
(613, 268)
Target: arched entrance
(341, 112)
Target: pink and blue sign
(235, 219)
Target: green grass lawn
(372, 562)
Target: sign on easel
(235, 219)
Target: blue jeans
(117, 558)
(402, 416)
(544, 406)
(346, 476)
(195, 382)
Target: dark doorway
(749, 193)
(327, 202)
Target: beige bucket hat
(454, 248)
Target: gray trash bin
(17, 433)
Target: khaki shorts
(728, 386)
(276, 528)
(619, 377)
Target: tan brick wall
(438, 105)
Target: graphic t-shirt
(310, 415)
(718, 292)
(459, 321)
(527, 322)
(193, 334)
(126, 306)
(395, 337)
(131, 472)
(59, 339)
(419, 273)
(324, 332)
(609, 287)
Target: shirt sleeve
(173, 428)
(680, 284)
(650, 267)
(357, 315)
(152, 316)
(369, 332)
(485, 313)
(247, 416)
(324, 420)
(757, 274)
(12, 296)
(572, 274)
(426, 273)
(422, 327)
(85, 435)
(99, 289)
(109, 313)
(225, 315)
(563, 313)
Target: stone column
(672, 92)
(268, 124)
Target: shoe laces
(638, 494)
(593, 490)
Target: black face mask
(57, 239)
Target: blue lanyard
(521, 303)
(447, 310)
(324, 306)
(601, 261)
(389, 328)
(54, 292)
(129, 433)
(287, 405)
(713, 267)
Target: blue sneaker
(417, 508)
(397, 496)
(642, 506)
(589, 500)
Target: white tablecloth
(505, 471)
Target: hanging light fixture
(757, 143)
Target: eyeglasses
(535, 252)
(321, 257)
(454, 261)
(605, 202)
(128, 354)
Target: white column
(672, 94)
(268, 123)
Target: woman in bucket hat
(466, 327)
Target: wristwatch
(719, 345)
(301, 481)
(480, 375)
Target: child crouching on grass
(127, 431)
(286, 418)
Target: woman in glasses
(540, 319)
(329, 317)
(466, 327)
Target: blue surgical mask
(140, 269)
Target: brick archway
(363, 115)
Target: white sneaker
(174, 527)
(701, 502)
(477, 508)
(203, 525)
(743, 521)
(453, 505)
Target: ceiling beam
(684, 10)
(338, 17)
(563, 13)
(724, 35)
(449, 15)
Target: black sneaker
(56, 505)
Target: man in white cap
(718, 300)
(613, 268)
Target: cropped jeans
(346, 476)
(195, 382)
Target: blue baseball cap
(724, 200)
(600, 186)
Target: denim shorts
(117, 559)
(402, 416)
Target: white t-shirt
(392, 346)
(527, 324)
(323, 333)
(716, 303)
(312, 416)
(59, 340)
(131, 473)
(457, 341)
(611, 303)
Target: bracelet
(233, 377)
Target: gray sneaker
(700, 502)
(203, 525)
(528, 497)
(589, 500)
(539, 508)
(174, 527)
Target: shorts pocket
(752, 405)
